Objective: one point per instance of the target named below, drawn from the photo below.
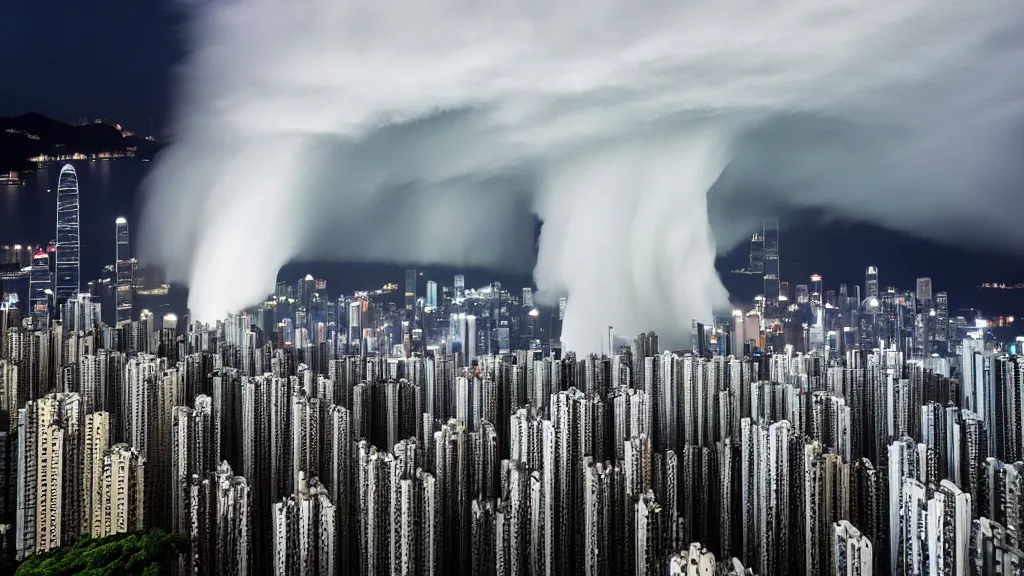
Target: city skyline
(807, 247)
(509, 289)
(287, 445)
(144, 412)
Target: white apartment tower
(96, 445)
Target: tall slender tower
(67, 281)
(770, 239)
(871, 282)
(124, 267)
(410, 289)
(460, 286)
(431, 294)
(39, 282)
(756, 264)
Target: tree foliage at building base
(149, 553)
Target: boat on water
(10, 179)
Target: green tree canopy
(148, 553)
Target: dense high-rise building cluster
(821, 432)
(391, 433)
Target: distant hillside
(31, 135)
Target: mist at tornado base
(646, 137)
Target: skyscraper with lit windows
(68, 274)
(460, 287)
(40, 283)
(756, 264)
(125, 271)
(410, 289)
(871, 282)
(771, 261)
(431, 294)
(924, 292)
(941, 323)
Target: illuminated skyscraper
(803, 294)
(355, 327)
(40, 283)
(871, 282)
(460, 286)
(941, 322)
(527, 297)
(924, 292)
(816, 294)
(125, 269)
(431, 294)
(470, 338)
(771, 261)
(410, 289)
(67, 281)
(305, 289)
(756, 265)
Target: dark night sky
(70, 58)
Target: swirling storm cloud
(646, 138)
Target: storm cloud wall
(435, 132)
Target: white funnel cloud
(433, 131)
(626, 235)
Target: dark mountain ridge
(30, 135)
